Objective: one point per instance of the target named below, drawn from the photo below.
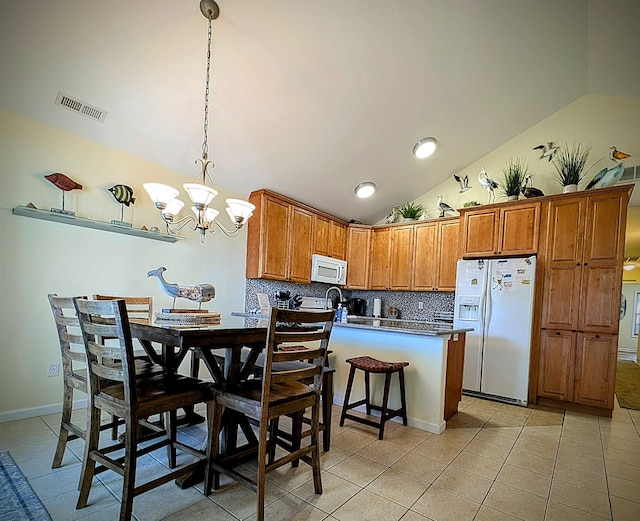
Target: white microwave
(328, 269)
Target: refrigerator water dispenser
(469, 309)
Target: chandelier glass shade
(201, 192)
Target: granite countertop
(416, 327)
(395, 325)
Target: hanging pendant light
(201, 192)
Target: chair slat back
(289, 326)
(101, 319)
(69, 334)
(139, 309)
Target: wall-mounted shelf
(44, 215)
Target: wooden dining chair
(138, 308)
(74, 373)
(116, 389)
(275, 394)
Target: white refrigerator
(495, 298)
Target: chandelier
(201, 192)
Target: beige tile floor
(494, 462)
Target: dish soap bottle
(344, 316)
(339, 313)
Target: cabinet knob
(577, 264)
(557, 332)
(597, 336)
(585, 264)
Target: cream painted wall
(601, 121)
(39, 257)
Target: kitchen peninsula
(433, 379)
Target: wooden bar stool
(371, 365)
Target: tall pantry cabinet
(582, 282)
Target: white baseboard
(33, 412)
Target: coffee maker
(357, 306)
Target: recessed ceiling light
(425, 147)
(366, 189)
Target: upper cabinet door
(519, 229)
(300, 239)
(358, 246)
(448, 248)
(565, 230)
(605, 228)
(425, 260)
(401, 257)
(380, 258)
(321, 235)
(480, 233)
(275, 243)
(337, 240)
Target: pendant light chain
(205, 146)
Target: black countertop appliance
(357, 306)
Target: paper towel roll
(377, 307)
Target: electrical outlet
(54, 370)
(421, 305)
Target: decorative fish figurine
(63, 182)
(123, 194)
(199, 293)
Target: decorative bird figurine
(609, 176)
(616, 155)
(65, 184)
(199, 293)
(443, 207)
(489, 184)
(393, 216)
(464, 182)
(548, 150)
(123, 194)
(530, 191)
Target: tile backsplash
(405, 301)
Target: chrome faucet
(326, 296)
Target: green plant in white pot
(410, 211)
(513, 176)
(570, 164)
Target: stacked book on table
(188, 317)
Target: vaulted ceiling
(310, 98)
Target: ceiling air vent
(64, 100)
(631, 174)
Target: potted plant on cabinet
(513, 177)
(410, 211)
(570, 163)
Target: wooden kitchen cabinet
(279, 238)
(391, 257)
(358, 246)
(578, 367)
(583, 267)
(337, 240)
(330, 237)
(435, 255)
(379, 275)
(582, 283)
(557, 364)
(401, 257)
(506, 229)
(321, 235)
(596, 359)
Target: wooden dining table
(229, 350)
